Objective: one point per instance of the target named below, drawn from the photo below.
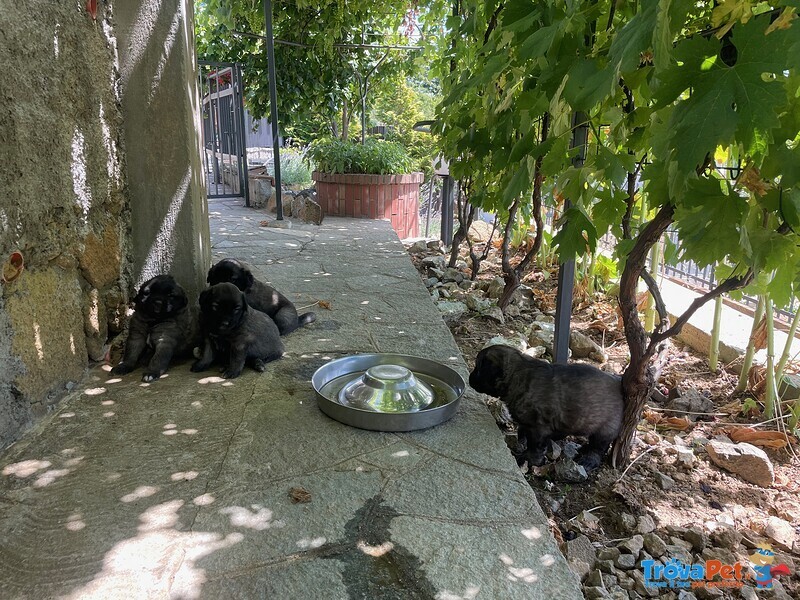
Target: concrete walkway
(180, 488)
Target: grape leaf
(709, 221)
(728, 99)
(577, 235)
(634, 38)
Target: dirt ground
(702, 494)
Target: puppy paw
(590, 461)
(150, 376)
(121, 369)
(198, 366)
(259, 365)
(231, 373)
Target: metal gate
(224, 137)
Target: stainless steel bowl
(388, 392)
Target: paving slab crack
(218, 473)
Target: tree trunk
(638, 380)
(465, 214)
(345, 122)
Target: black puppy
(259, 295)
(233, 333)
(552, 401)
(161, 324)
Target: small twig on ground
(633, 462)
(309, 306)
(686, 412)
(586, 511)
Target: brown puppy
(234, 334)
(161, 328)
(552, 401)
(259, 295)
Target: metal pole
(447, 210)
(238, 100)
(566, 274)
(273, 106)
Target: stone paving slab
(180, 488)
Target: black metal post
(447, 210)
(566, 273)
(273, 106)
(238, 100)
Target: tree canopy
(673, 92)
(323, 54)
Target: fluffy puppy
(161, 327)
(233, 333)
(552, 401)
(259, 295)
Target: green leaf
(520, 182)
(588, 84)
(731, 96)
(609, 209)
(577, 235)
(634, 38)
(709, 221)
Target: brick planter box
(393, 197)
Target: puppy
(259, 295)
(234, 334)
(161, 328)
(552, 401)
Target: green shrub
(374, 157)
(295, 169)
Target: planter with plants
(374, 180)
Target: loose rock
(633, 545)
(582, 345)
(692, 401)
(418, 247)
(496, 287)
(625, 561)
(581, 549)
(451, 311)
(697, 538)
(655, 545)
(745, 460)
(645, 524)
(665, 482)
(605, 554)
(569, 471)
(726, 537)
(781, 532)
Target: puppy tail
(306, 318)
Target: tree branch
(492, 23)
(732, 283)
(652, 286)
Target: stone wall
(62, 203)
(81, 197)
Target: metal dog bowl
(388, 392)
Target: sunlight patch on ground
(26, 468)
(143, 491)
(256, 517)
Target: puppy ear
(248, 278)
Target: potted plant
(374, 180)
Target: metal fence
(224, 140)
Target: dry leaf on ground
(759, 437)
(324, 304)
(299, 495)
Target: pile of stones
(455, 294)
(618, 571)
